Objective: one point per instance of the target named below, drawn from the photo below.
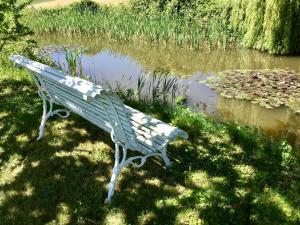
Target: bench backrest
(93, 102)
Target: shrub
(14, 35)
(85, 5)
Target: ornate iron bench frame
(129, 128)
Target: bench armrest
(86, 88)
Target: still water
(107, 60)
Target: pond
(108, 60)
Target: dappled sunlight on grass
(64, 215)
(245, 172)
(115, 217)
(11, 169)
(28, 190)
(198, 179)
(189, 216)
(146, 217)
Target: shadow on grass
(217, 178)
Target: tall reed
(73, 58)
(265, 25)
(124, 24)
(156, 88)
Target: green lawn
(225, 173)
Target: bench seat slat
(153, 140)
(86, 88)
(97, 110)
(147, 143)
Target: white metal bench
(128, 127)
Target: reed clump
(155, 89)
(74, 61)
(158, 87)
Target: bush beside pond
(14, 35)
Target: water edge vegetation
(258, 24)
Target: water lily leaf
(267, 88)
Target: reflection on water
(107, 66)
(181, 61)
(278, 122)
(110, 61)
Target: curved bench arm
(47, 112)
(119, 165)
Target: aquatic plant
(163, 86)
(169, 88)
(268, 88)
(73, 57)
(157, 88)
(140, 86)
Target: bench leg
(124, 162)
(45, 117)
(47, 114)
(166, 158)
(115, 174)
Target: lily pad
(267, 88)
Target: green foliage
(177, 7)
(74, 61)
(124, 24)
(13, 33)
(85, 5)
(267, 25)
(193, 122)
